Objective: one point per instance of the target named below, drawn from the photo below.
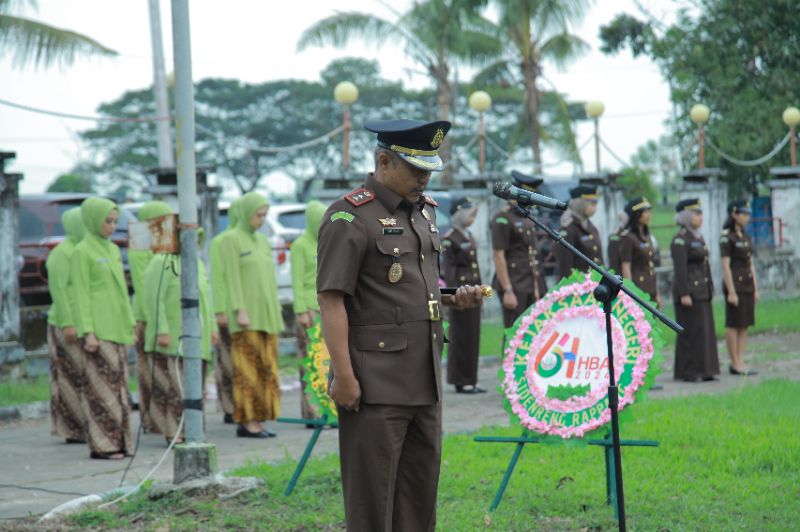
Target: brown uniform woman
(740, 287)
(578, 230)
(460, 257)
(636, 250)
(692, 290)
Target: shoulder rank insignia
(388, 222)
(360, 196)
(425, 214)
(501, 220)
(342, 215)
(430, 201)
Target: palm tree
(29, 41)
(533, 32)
(435, 34)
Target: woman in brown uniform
(578, 230)
(519, 278)
(461, 267)
(696, 348)
(614, 239)
(740, 287)
(637, 254)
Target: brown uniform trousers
(737, 246)
(460, 261)
(383, 254)
(586, 240)
(639, 251)
(696, 347)
(516, 236)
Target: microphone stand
(606, 292)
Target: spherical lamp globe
(594, 108)
(480, 101)
(791, 116)
(345, 92)
(699, 113)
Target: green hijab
(154, 209)
(233, 214)
(94, 211)
(73, 224)
(314, 213)
(247, 206)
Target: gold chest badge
(395, 272)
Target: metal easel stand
(319, 426)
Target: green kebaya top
(304, 261)
(58, 265)
(219, 287)
(138, 259)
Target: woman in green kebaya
(138, 259)
(254, 319)
(104, 321)
(304, 290)
(66, 355)
(162, 300)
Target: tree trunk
(530, 71)
(443, 97)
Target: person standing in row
(377, 280)
(223, 372)
(461, 268)
(254, 319)
(162, 303)
(104, 320)
(578, 230)
(696, 355)
(138, 259)
(304, 290)
(66, 355)
(740, 286)
(614, 240)
(636, 250)
(519, 278)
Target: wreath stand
(319, 425)
(608, 449)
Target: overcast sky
(255, 41)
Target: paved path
(30, 457)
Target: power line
(83, 117)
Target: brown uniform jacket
(586, 240)
(460, 259)
(613, 251)
(516, 236)
(640, 253)
(395, 345)
(737, 246)
(690, 263)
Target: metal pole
(482, 143)
(597, 144)
(346, 139)
(794, 145)
(166, 157)
(187, 201)
(701, 139)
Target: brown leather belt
(396, 315)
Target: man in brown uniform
(636, 250)
(578, 230)
(377, 284)
(519, 278)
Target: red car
(40, 230)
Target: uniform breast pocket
(436, 243)
(396, 258)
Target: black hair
(633, 223)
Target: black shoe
(242, 432)
(743, 373)
(73, 440)
(656, 387)
(691, 379)
(228, 419)
(710, 378)
(472, 390)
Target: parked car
(40, 230)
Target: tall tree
(435, 34)
(31, 42)
(742, 59)
(532, 33)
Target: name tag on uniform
(465, 245)
(586, 237)
(518, 224)
(696, 244)
(245, 253)
(741, 244)
(644, 246)
(392, 230)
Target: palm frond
(29, 41)
(563, 48)
(9, 6)
(557, 131)
(340, 29)
(498, 73)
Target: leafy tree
(657, 157)
(532, 33)
(742, 59)
(71, 183)
(28, 41)
(435, 34)
(637, 181)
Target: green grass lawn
(662, 225)
(726, 462)
(25, 391)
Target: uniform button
(696, 283)
(474, 264)
(706, 279)
(381, 344)
(434, 336)
(594, 248)
(513, 264)
(740, 277)
(396, 251)
(652, 263)
(422, 256)
(641, 278)
(462, 278)
(591, 237)
(529, 232)
(472, 253)
(431, 294)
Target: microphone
(507, 191)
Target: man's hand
(755, 296)
(346, 392)
(163, 340)
(733, 299)
(510, 300)
(222, 319)
(69, 334)
(466, 296)
(243, 319)
(90, 343)
(686, 300)
(305, 320)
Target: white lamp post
(593, 110)
(480, 101)
(791, 117)
(699, 115)
(346, 93)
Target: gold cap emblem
(438, 138)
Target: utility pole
(166, 158)
(195, 458)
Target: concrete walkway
(30, 457)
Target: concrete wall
(713, 196)
(785, 196)
(10, 351)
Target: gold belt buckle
(433, 311)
